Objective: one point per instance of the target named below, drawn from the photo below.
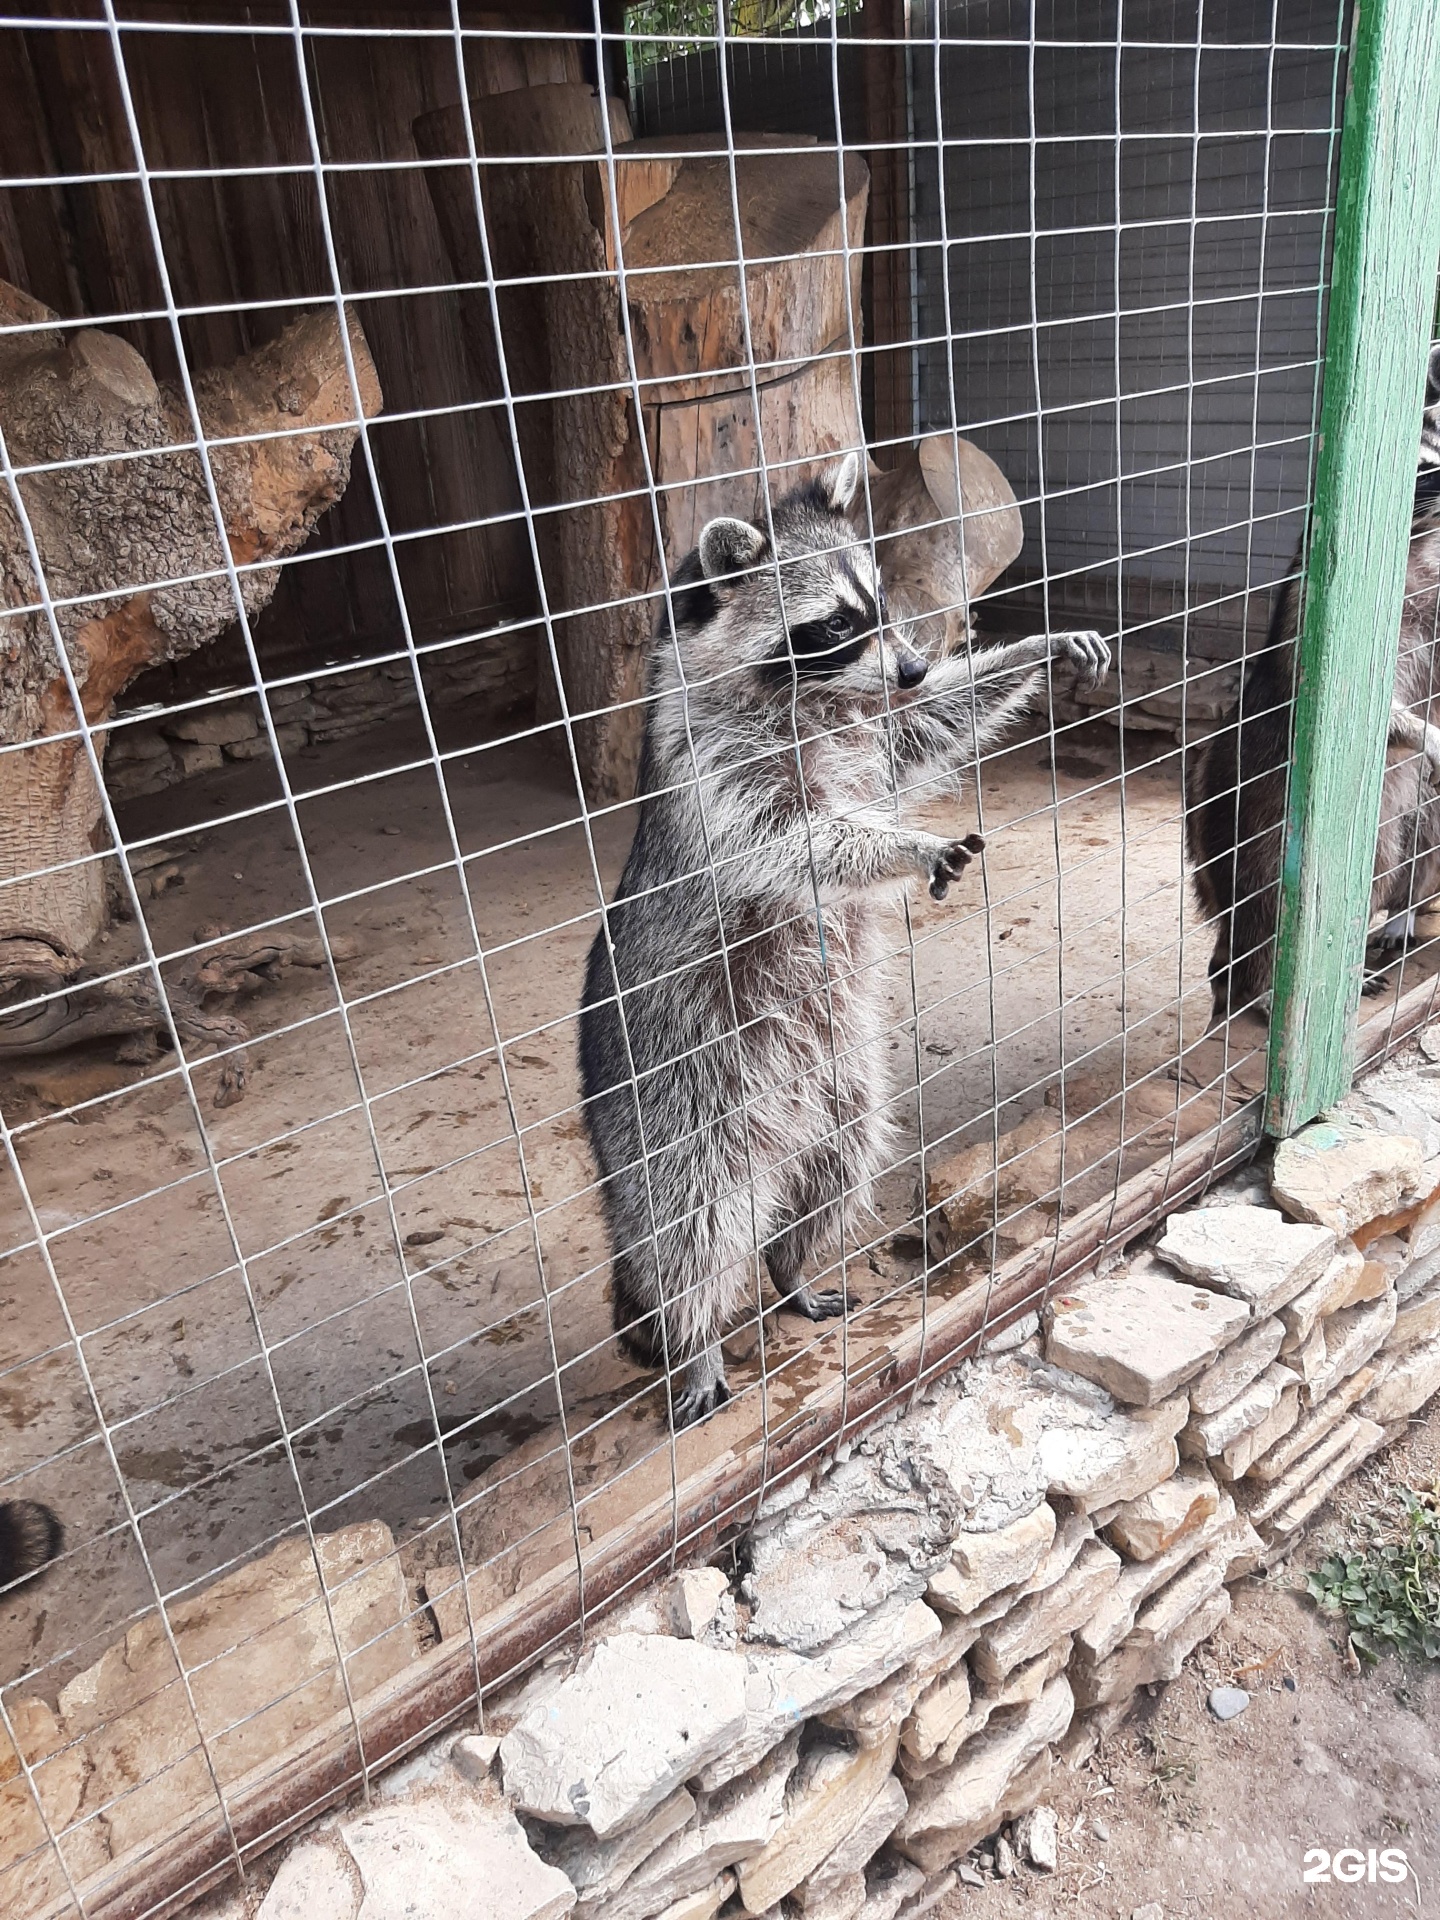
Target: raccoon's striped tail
(30, 1536)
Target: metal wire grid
(542, 1218)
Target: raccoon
(30, 1537)
(1238, 782)
(744, 1097)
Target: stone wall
(867, 1702)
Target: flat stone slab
(1178, 1507)
(433, 1861)
(1114, 1618)
(1253, 1254)
(857, 1848)
(1342, 1175)
(599, 1868)
(1147, 1661)
(1140, 1333)
(1338, 1286)
(1417, 1322)
(1241, 1454)
(1411, 1382)
(640, 1715)
(783, 1689)
(1209, 1434)
(982, 1564)
(1352, 1336)
(1312, 1426)
(949, 1811)
(1244, 1360)
(824, 1804)
(1365, 1436)
(316, 1881)
(1030, 1627)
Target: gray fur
(746, 930)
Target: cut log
(940, 545)
(121, 542)
(584, 451)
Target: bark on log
(121, 541)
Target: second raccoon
(1238, 782)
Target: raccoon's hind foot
(826, 1304)
(951, 861)
(704, 1392)
(30, 1537)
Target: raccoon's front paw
(1087, 652)
(951, 861)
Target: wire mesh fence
(403, 412)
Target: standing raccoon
(1239, 780)
(744, 1097)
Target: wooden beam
(890, 362)
(1387, 242)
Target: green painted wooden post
(1387, 245)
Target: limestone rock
(1017, 1428)
(1414, 1379)
(1417, 1323)
(1265, 1501)
(315, 1881)
(1031, 1626)
(950, 1811)
(1154, 1522)
(857, 1848)
(473, 1756)
(1365, 1437)
(985, 1563)
(1251, 1253)
(1037, 1838)
(694, 1597)
(1116, 1678)
(1164, 1615)
(1352, 1336)
(1314, 1425)
(824, 1802)
(639, 1715)
(889, 1884)
(728, 1826)
(880, 1708)
(874, 1529)
(936, 1715)
(784, 1689)
(1140, 1333)
(1343, 1176)
(1243, 1451)
(1211, 1433)
(1244, 1360)
(599, 1868)
(1338, 1286)
(1114, 1618)
(703, 1905)
(842, 1901)
(435, 1862)
(1307, 1357)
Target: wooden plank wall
(229, 100)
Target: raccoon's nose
(910, 668)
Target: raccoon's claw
(826, 1305)
(1088, 652)
(699, 1402)
(951, 862)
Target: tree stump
(584, 449)
(119, 542)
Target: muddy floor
(1209, 1819)
(276, 1300)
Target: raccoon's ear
(840, 485)
(730, 546)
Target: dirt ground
(371, 1181)
(1212, 1819)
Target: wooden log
(121, 541)
(667, 219)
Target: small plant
(1388, 1588)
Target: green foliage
(1388, 1586)
(697, 23)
